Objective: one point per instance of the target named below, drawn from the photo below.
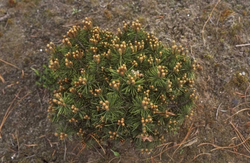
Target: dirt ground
(215, 32)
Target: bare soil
(218, 130)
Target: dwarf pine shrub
(124, 86)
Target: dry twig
(6, 16)
(83, 147)
(166, 145)
(200, 155)
(18, 145)
(53, 153)
(31, 145)
(244, 103)
(183, 141)
(98, 143)
(241, 137)
(238, 113)
(191, 142)
(114, 159)
(10, 108)
(219, 147)
(163, 150)
(203, 29)
(225, 148)
(179, 145)
(246, 93)
(217, 112)
(3, 81)
(65, 151)
(98, 151)
(9, 64)
(241, 45)
(237, 153)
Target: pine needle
(10, 108)
(183, 141)
(98, 143)
(9, 64)
(203, 29)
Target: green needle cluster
(118, 87)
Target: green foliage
(47, 78)
(75, 11)
(118, 87)
(116, 154)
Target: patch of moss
(107, 14)
(2, 11)
(236, 28)
(208, 56)
(225, 14)
(238, 7)
(9, 22)
(240, 79)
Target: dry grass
(10, 109)
(183, 141)
(243, 141)
(203, 28)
